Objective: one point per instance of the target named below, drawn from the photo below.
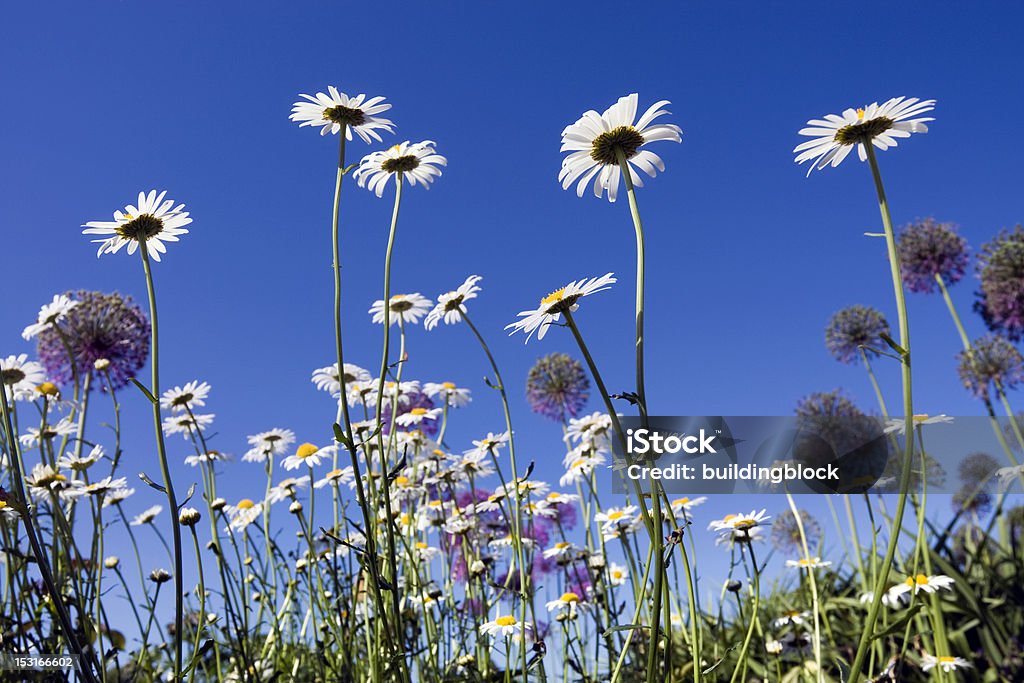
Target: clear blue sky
(748, 258)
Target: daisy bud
(218, 503)
(189, 517)
(295, 508)
(111, 562)
(733, 586)
(101, 364)
(476, 568)
(159, 576)
(596, 562)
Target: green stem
(172, 500)
(638, 226)
(864, 644)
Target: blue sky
(748, 258)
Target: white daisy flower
(243, 514)
(268, 444)
(416, 162)
(616, 521)
(285, 489)
(153, 220)
(451, 394)
(579, 469)
(80, 463)
(105, 485)
(899, 426)
(922, 582)
(568, 602)
(740, 523)
(209, 456)
(1008, 475)
(50, 314)
(793, 616)
(808, 563)
(593, 429)
(686, 504)
(451, 305)
(595, 141)
(418, 415)
(888, 599)
(335, 477)
(553, 305)
(737, 536)
(878, 124)
(559, 498)
(617, 574)
(188, 397)
(187, 424)
(329, 379)
(147, 515)
(407, 308)
(505, 627)
(562, 551)
(117, 496)
(490, 444)
(20, 376)
(306, 454)
(334, 109)
(947, 664)
(425, 552)
(44, 479)
(63, 427)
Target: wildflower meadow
(367, 409)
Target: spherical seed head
(785, 533)
(977, 468)
(1001, 270)
(992, 360)
(928, 249)
(827, 404)
(970, 499)
(557, 387)
(105, 332)
(733, 586)
(853, 328)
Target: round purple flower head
(786, 532)
(557, 386)
(992, 359)
(928, 249)
(827, 404)
(852, 328)
(1001, 270)
(102, 327)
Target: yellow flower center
(577, 462)
(860, 113)
(507, 620)
(305, 450)
(728, 517)
(333, 474)
(553, 297)
(947, 660)
(434, 504)
(421, 545)
(401, 480)
(448, 385)
(920, 580)
(569, 597)
(245, 504)
(680, 501)
(615, 514)
(418, 411)
(48, 389)
(561, 545)
(3, 504)
(617, 574)
(920, 418)
(791, 613)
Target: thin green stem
(864, 645)
(172, 500)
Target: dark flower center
(454, 304)
(345, 116)
(182, 400)
(400, 306)
(862, 132)
(12, 376)
(401, 164)
(626, 138)
(141, 228)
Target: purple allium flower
(1001, 270)
(557, 386)
(408, 401)
(992, 359)
(977, 468)
(854, 327)
(102, 326)
(929, 248)
(827, 404)
(786, 534)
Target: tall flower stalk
(834, 138)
